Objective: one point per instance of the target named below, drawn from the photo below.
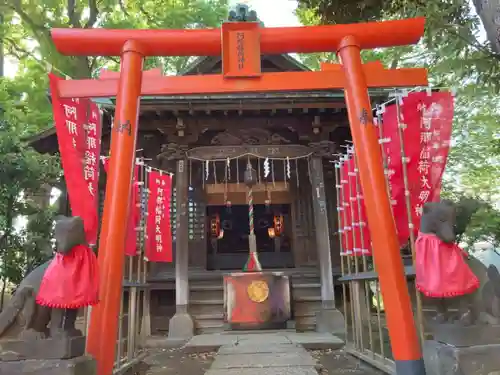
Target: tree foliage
(26, 35)
(453, 47)
(457, 55)
(28, 23)
(25, 110)
(22, 172)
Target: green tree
(476, 220)
(22, 172)
(451, 49)
(28, 23)
(26, 36)
(456, 56)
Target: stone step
(307, 298)
(206, 286)
(206, 308)
(305, 321)
(210, 330)
(306, 285)
(299, 327)
(307, 308)
(309, 278)
(204, 295)
(306, 290)
(207, 324)
(213, 316)
(208, 301)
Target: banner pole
(348, 251)
(356, 292)
(340, 209)
(364, 246)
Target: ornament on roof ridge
(241, 12)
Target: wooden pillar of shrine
(197, 215)
(181, 325)
(329, 319)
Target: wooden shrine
(300, 126)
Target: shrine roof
(213, 65)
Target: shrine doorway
(230, 250)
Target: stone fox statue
(449, 275)
(46, 302)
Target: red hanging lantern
(215, 229)
(278, 225)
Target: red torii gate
(241, 45)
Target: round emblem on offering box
(258, 291)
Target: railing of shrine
(134, 318)
(367, 335)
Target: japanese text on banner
(433, 115)
(78, 126)
(159, 231)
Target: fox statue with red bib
(448, 274)
(46, 302)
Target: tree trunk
(2, 293)
(489, 12)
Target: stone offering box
(257, 300)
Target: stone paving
(261, 353)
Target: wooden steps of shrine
(306, 301)
(206, 305)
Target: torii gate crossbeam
(241, 45)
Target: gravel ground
(336, 362)
(173, 362)
(177, 362)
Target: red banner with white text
(134, 216)
(354, 231)
(159, 231)
(78, 127)
(433, 116)
(426, 121)
(394, 171)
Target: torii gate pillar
(104, 322)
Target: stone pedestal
(52, 356)
(467, 336)
(181, 325)
(473, 350)
(48, 349)
(75, 366)
(330, 320)
(444, 359)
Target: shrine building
(290, 139)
